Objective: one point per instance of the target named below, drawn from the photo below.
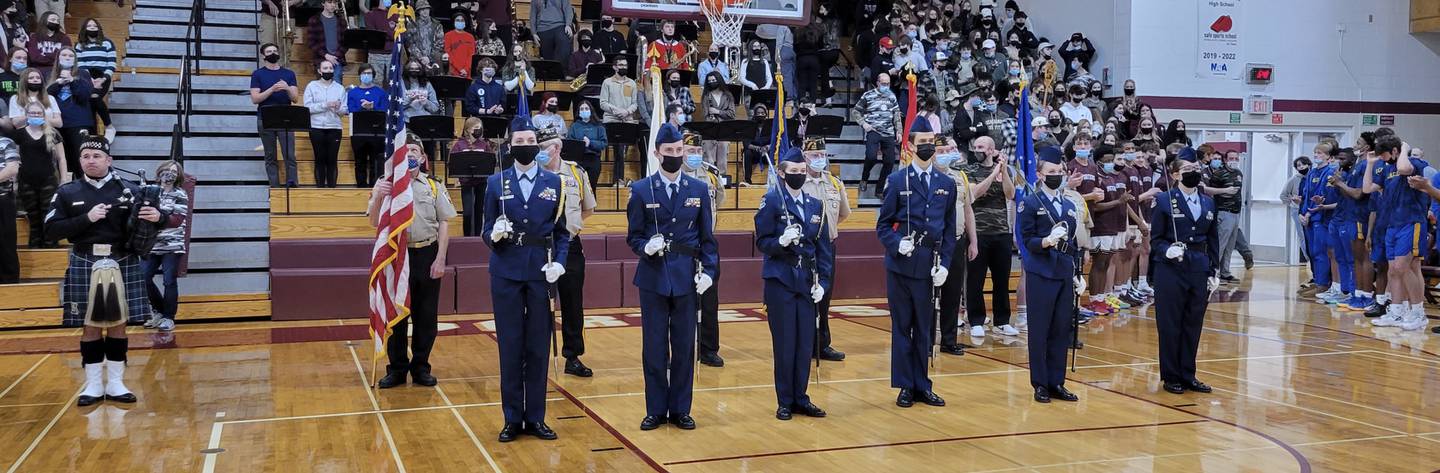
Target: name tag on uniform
(941, 192)
(904, 193)
(692, 202)
(1041, 211)
(78, 203)
(652, 206)
(507, 197)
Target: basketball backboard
(784, 12)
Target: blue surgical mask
(35, 121)
(1014, 71)
(912, 34)
(976, 103)
(367, 78)
(819, 164)
(543, 157)
(694, 161)
(1215, 164)
(385, 4)
(17, 66)
(947, 158)
(966, 55)
(1082, 153)
(585, 115)
(459, 25)
(1128, 156)
(1108, 167)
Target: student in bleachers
(588, 129)
(43, 46)
(756, 73)
(713, 63)
(549, 115)
(72, 86)
(368, 150)
(377, 18)
(323, 36)
(274, 85)
(10, 79)
(581, 59)
(425, 38)
(607, 40)
(43, 168)
(756, 149)
(472, 138)
(34, 81)
(719, 106)
(9, 254)
(488, 41)
(169, 249)
(460, 46)
(96, 54)
(497, 12)
(550, 21)
(13, 33)
(325, 98)
(486, 95)
(518, 68)
(618, 98)
(678, 93)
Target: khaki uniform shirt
(432, 206)
(962, 200)
(830, 191)
(717, 192)
(578, 195)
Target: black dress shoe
(392, 379)
(1042, 395)
(809, 409)
(424, 378)
(1175, 388)
(1059, 392)
(127, 398)
(1377, 309)
(905, 399)
(782, 413)
(931, 399)
(510, 431)
(1198, 386)
(683, 421)
(83, 401)
(541, 431)
(651, 422)
(952, 350)
(831, 354)
(573, 366)
(712, 359)
(1435, 329)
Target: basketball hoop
(725, 23)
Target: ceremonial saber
(550, 259)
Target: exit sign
(1277, 119)
(1235, 118)
(1370, 120)
(1259, 104)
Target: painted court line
(476, 440)
(23, 376)
(384, 427)
(213, 447)
(1177, 455)
(758, 386)
(38, 438)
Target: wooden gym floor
(1298, 387)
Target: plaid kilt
(75, 294)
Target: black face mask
(756, 52)
(674, 84)
(607, 24)
(34, 87)
(524, 154)
(621, 72)
(552, 108)
(1096, 92)
(1129, 91)
(1302, 171)
(1053, 181)
(759, 116)
(671, 164)
(714, 55)
(804, 111)
(925, 152)
(712, 84)
(413, 73)
(794, 181)
(1190, 179)
(272, 58)
(585, 43)
(327, 75)
(1054, 122)
(53, 27)
(1146, 129)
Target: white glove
(655, 244)
(500, 230)
(1079, 286)
(938, 275)
(791, 235)
(1174, 252)
(703, 283)
(1212, 283)
(907, 246)
(817, 293)
(553, 271)
(1059, 233)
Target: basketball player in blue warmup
(1405, 237)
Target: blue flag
(1024, 154)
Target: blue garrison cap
(521, 123)
(1186, 154)
(668, 134)
(921, 126)
(1049, 154)
(793, 155)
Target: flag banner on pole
(908, 122)
(657, 104)
(1024, 152)
(389, 284)
(779, 136)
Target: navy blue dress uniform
(531, 202)
(678, 212)
(1050, 276)
(1182, 287)
(792, 270)
(919, 208)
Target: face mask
(459, 25)
(585, 115)
(1082, 153)
(542, 157)
(552, 108)
(680, 118)
(33, 87)
(385, 4)
(413, 73)
(1128, 156)
(35, 121)
(989, 107)
(965, 55)
(1302, 171)
(1096, 92)
(694, 161)
(1215, 164)
(912, 34)
(53, 26)
(367, 78)
(803, 111)
(1054, 181)
(1054, 122)
(1233, 164)
(976, 103)
(272, 58)
(524, 154)
(327, 75)
(925, 152)
(585, 43)
(819, 164)
(477, 134)
(17, 66)
(989, 53)
(755, 52)
(712, 84)
(904, 51)
(674, 84)
(1190, 179)
(671, 164)
(606, 24)
(1014, 71)
(1108, 167)
(794, 181)
(413, 164)
(1146, 129)
(714, 55)
(945, 159)
(620, 71)
(1076, 99)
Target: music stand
(450, 88)
(572, 150)
(367, 40)
(765, 96)
(301, 14)
(472, 164)
(595, 74)
(547, 70)
(620, 134)
(284, 118)
(687, 31)
(495, 125)
(829, 126)
(706, 130)
(367, 123)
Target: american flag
(389, 265)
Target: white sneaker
(165, 325)
(1414, 322)
(1390, 319)
(977, 331)
(154, 319)
(1007, 330)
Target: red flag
(389, 264)
(909, 120)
